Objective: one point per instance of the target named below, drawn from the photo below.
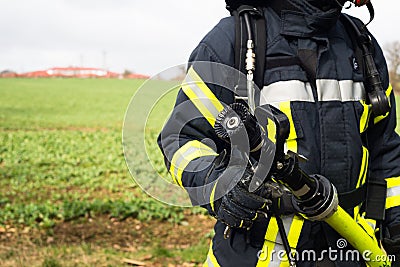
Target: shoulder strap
(258, 28)
(261, 46)
(372, 81)
(259, 32)
(355, 35)
(376, 186)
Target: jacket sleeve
(384, 145)
(188, 141)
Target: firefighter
(312, 74)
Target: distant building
(136, 76)
(8, 74)
(71, 72)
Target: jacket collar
(301, 19)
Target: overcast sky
(143, 36)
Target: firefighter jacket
(331, 124)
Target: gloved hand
(392, 243)
(392, 247)
(239, 208)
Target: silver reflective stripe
(276, 259)
(393, 192)
(343, 91)
(286, 90)
(201, 96)
(328, 90)
(287, 222)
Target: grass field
(66, 197)
(62, 169)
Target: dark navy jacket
(331, 123)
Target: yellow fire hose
(314, 196)
(349, 229)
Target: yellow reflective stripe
(212, 195)
(291, 141)
(205, 89)
(201, 96)
(182, 157)
(364, 167)
(271, 131)
(199, 104)
(211, 260)
(379, 118)
(182, 153)
(293, 237)
(295, 230)
(362, 176)
(393, 193)
(393, 182)
(196, 154)
(365, 116)
(271, 234)
(368, 225)
(392, 202)
(273, 241)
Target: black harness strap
(373, 84)
(238, 39)
(353, 198)
(258, 27)
(281, 61)
(261, 47)
(376, 188)
(308, 60)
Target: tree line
(392, 51)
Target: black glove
(238, 208)
(392, 244)
(392, 247)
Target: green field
(61, 163)
(66, 196)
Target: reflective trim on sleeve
(273, 248)
(201, 96)
(393, 192)
(291, 142)
(388, 92)
(184, 155)
(211, 260)
(344, 91)
(365, 116)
